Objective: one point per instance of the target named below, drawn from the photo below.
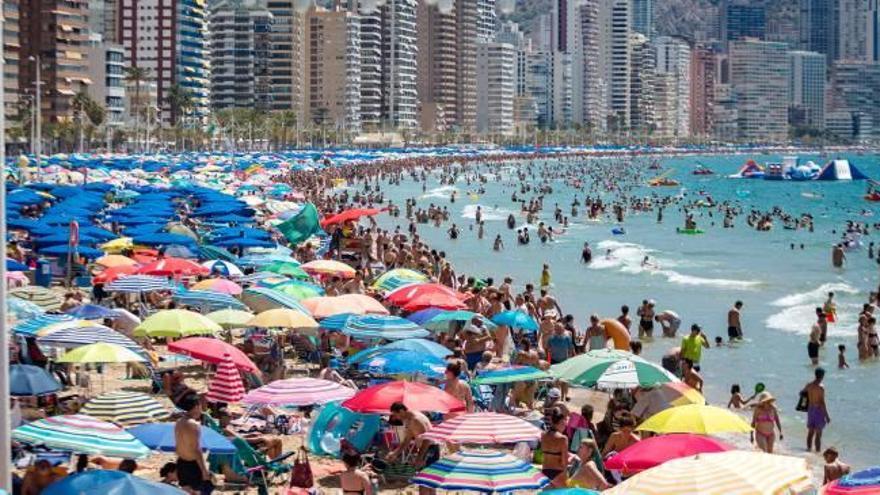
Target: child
(830, 308)
(719, 341)
(834, 469)
(841, 357)
(736, 399)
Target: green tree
(138, 76)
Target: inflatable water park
(792, 169)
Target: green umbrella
(610, 369)
(288, 268)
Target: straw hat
(764, 398)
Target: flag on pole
(74, 233)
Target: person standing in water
(545, 276)
(734, 322)
(838, 256)
(817, 410)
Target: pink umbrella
(220, 285)
(484, 428)
(226, 386)
(656, 450)
(212, 350)
(298, 392)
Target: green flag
(301, 226)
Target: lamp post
(38, 92)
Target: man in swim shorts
(646, 318)
(817, 411)
(734, 323)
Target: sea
(701, 276)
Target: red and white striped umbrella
(298, 392)
(226, 386)
(484, 428)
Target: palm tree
(138, 76)
(85, 106)
(180, 101)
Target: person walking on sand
(817, 410)
(192, 471)
(734, 322)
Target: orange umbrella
(358, 304)
(173, 266)
(114, 260)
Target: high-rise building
(643, 17)
(807, 89)
(642, 75)
(593, 101)
(618, 46)
(851, 29)
(818, 23)
(872, 32)
(704, 71)
(487, 21)
(741, 20)
(333, 59)
(725, 114)
(782, 22)
(102, 19)
(496, 88)
(854, 106)
(169, 38)
(285, 56)
(54, 33)
(539, 82)
(240, 51)
(107, 71)
(11, 49)
(467, 17)
(672, 106)
(525, 112)
(759, 74)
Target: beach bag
(301, 474)
(802, 402)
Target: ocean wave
(799, 320)
(816, 296)
(440, 192)
(489, 213)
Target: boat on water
(702, 170)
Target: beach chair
(261, 471)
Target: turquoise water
(701, 276)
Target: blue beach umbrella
(244, 242)
(160, 436)
(134, 284)
(207, 299)
(422, 346)
(161, 238)
(15, 266)
(91, 312)
(402, 362)
(516, 319)
(28, 380)
(423, 316)
(107, 482)
(382, 327)
(65, 249)
(335, 322)
(34, 325)
(511, 374)
(21, 309)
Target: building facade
(12, 98)
(240, 50)
(818, 24)
(107, 71)
(741, 20)
(672, 111)
(618, 65)
(807, 89)
(704, 71)
(872, 32)
(286, 57)
(759, 74)
(496, 88)
(854, 106)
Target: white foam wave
(489, 213)
(816, 296)
(440, 192)
(799, 320)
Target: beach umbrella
(163, 239)
(397, 278)
(101, 352)
(110, 274)
(422, 346)
(220, 285)
(244, 242)
(135, 284)
(21, 309)
(173, 266)
(484, 428)
(329, 268)
(424, 315)
(610, 369)
(404, 295)
(357, 304)
(117, 245)
(230, 318)
(287, 268)
(438, 300)
(664, 396)
(653, 451)
(261, 299)
(108, 482)
(126, 408)
(176, 323)
(481, 471)
(404, 363)
(226, 385)
(15, 266)
(223, 267)
(442, 321)
(516, 319)
(283, 318)
(721, 473)
(695, 418)
(335, 323)
(206, 300)
(178, 251)
(79, 333)
(41, 296)
(28, 380)
(66, 249)
(383, 327)
(569, 491)
(91, 312)
(293, 288)
(81, 434)
(415, 396)
(510, 374)
(298, 392)
(349, 215)
(213, 351)
(864, 482)
(114, 260)
(32, 327)
(160, 436)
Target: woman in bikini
(554, 445)
(765, 421)
(354, 481)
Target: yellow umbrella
(102, 352)
(114, 260)
(283, 318)
(176, 323)
(695, 418)
(117, 245)
(230, 318)
(328, 267)
(181, 229)
(722, 473)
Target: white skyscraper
(593, 104)
(672, 106)
(807, 89)
(759, 74)
(496, 87)
(618, 62)
(239, 39)
(851, 30)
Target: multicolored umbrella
(695, 418)
(397, 278)
(516, 319)
(864, 482)
(382, 327)
(21, 309)
(723, 473)
(28, 380)
(330, 268)
(357, 304)
(126, 408)
(91, 312)
(136, 284)
(41, 296)
(176, 323)
(484, 428)
(81, 434)
(33, 326)
(222, 267)
(652, 452)
(511, 374)
(213, 351)
(207, 300)
(101, 352)
(610, 369)
(415, 396)
(261, 299)
(283, 318)
(483, 471)
(220, 285)
(107, 482)
(226, 385)
(287, 268)
(664, 396)
(68, 335)
(441, 322)
(298, 392)
(422, 346)
(173, 266)
(293, 288)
